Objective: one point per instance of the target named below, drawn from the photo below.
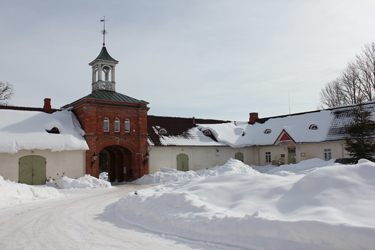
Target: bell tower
(103, 69)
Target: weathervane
(103, 31)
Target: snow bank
(167, 175)
(13, 193)
(318, 206)
(27, 130)
(302, 167)
(87, 181)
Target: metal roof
(113, 96)
(104, 56)
(109, 96)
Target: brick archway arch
(119, 162)
(122, 153)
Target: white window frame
(106, 125)
(127, 126)
(268, 157)
(117, 125)
(327, 154)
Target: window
(106, 125)
(117, 125)
(267, 131)
(163, 131)
(313, 127)
(327, 154)
(207, 132)
(127, 126)
(268, 156)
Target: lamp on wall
(94, 157)
(146, 158)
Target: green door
(239, 156)
(182, 162)
(292, 155)
(32, 170)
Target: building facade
(114, 124)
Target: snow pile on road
(319, 206)
(87, 182)
(13, 193)
(167, 175)
(103, 176)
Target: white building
(191, 144)
(36, 144)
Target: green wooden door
(182, 162)
(292, 155)
(239, 156)
(32, 170)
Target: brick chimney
(47, 106)
(253, 118)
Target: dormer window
(163, 131)
(106, 125)
(313, 127)
(53, 130)
(207, 132)
(117, 125)
(267, 131)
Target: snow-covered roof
(177, 131)
(28, 130)
(242, 134)
(192, 137)
(315, 126)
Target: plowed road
(84, 219)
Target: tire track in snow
(78, 221)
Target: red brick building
(115, 124)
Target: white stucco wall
(206, 157)
(310, 150)
(67, 163)
(199, 157)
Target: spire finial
(104, 31)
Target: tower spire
(104, 31)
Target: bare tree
(356, 84)
(365, 63)
(6, 92)
(353, 89)
(332, 95)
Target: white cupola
(103, 72)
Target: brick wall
(91, 114)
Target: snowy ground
(310, 205)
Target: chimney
(253, 118)
(47, 106)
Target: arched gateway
(115, 124)
(117, 161)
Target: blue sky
(207, 59)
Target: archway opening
(117, 161)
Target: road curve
(81, 220)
